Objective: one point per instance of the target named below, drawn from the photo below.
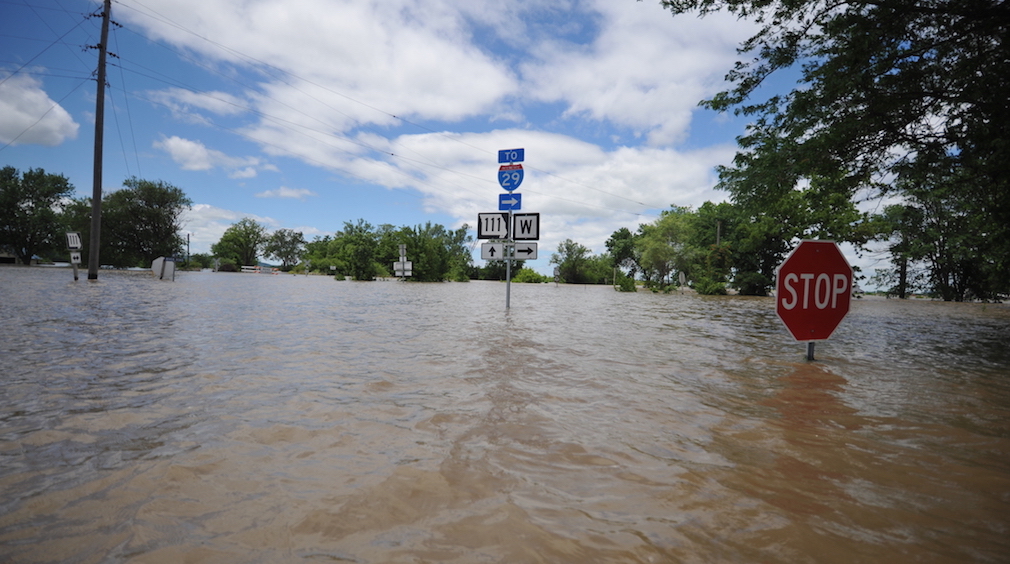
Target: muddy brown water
(274, 419)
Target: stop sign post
(813, 290)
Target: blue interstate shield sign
(510, 176)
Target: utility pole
(96, 193)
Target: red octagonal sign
(813, 288)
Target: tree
(30, 211)
(572, 259)
(201, 260)
(529, 276)
(141, 222)
(665, 246)
(285, 245)
(893, 94)
(621, 246)
(241, 243)
(356, 247)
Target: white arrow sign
(492, 251)
(525, 251)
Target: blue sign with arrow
(509, 202)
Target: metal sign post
(506, 227)
(74, 245)
(403, 268)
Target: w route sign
(813, 290)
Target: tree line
(359, 250)
(730, 245)
(139, 222)
(142, 221)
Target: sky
(306, 114)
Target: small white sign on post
(492, 251)
(525, 251)
(74, 241)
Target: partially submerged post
(96, 193)
(74, 245)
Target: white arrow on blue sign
(511, 201)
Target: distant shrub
(626, 284)
(710, 287)
(530, 276)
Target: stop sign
(813, 288)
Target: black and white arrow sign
(526, 251)
(492, 251)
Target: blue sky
(305, 114)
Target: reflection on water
(242, 418)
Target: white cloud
(194, 155)
(349, 62)
(205, 224)
(337, 80)
(645, 70)
(584, 192)
(29, 116)
(285, 192)
(185, 104)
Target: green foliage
(623, 252)
(241, 243)
(285, 245)
(625, 283)
(899, 99)
(364, 252)
(573, 261)
(201, 260)
(530, 276)
(30, 206)
(708, 286)
(140, 222)
(496, 269)
(437, 253)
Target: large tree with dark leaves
(893, 94)
(30, 207)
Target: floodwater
(248, 418)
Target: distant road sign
(511, 156)
(510, 201)
(492, 225)
(403, 268)
(510, 176)
(525, 251)
(526, 226)
(492, 251)
(74, 241)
